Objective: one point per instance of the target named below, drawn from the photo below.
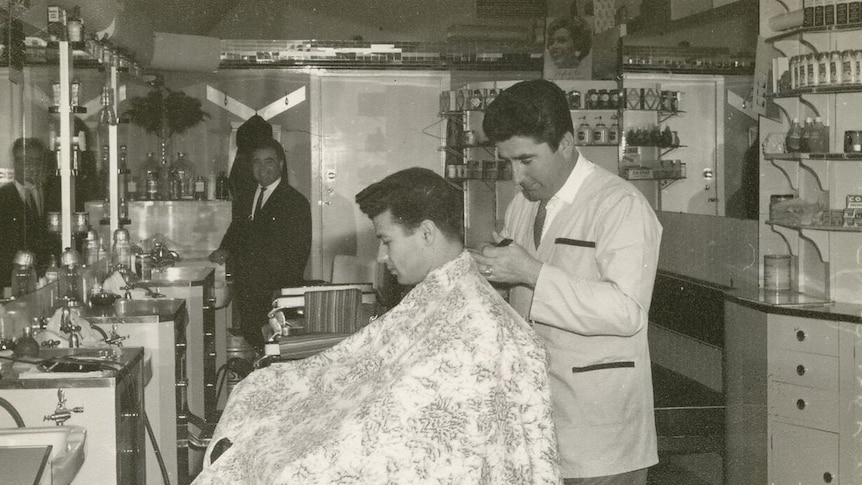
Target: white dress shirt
(266, 195)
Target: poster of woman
(568, 49)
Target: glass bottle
(23, 274)
(52, 273)
(820, 136)
(26, 345)
(805, 139)
(200, 188)
(614, 132)
(164, 180)
(150, 176)
(222, 187)
(184, 174)
(794, 137)
(70, 275)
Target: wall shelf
(799, 31)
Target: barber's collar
(583, 168)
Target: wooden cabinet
(802, 429)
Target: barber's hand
(508, 264)
(219, 256)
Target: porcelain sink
(67, 447)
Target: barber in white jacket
(583, 273)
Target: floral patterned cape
(450, 386)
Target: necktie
(539, 224)
(32, 205)
(259, 202)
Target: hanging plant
(165, 112)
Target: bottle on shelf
(584, 133)
(222, 190)
(200, 188)
(122, 172)
(819, 138)
(52, 273)
(164, 180)
(185, 176)
(793, 141)
(211, 184)
(805, 139)
(150, 177)
(132, 193)
(176, 191)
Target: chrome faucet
(147, 290)
(115, 338)
(67, 327)
(62, 413)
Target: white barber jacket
(590, 305)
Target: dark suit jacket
(270, 252)
(20, 230)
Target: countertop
(144, 311)
(796, 304)
(121, 361)
(179, 275)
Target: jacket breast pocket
(606, 392)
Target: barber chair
(317, 317)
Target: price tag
(854, 201)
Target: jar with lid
(614, 132)
(600, 133)
(121, 251)
(836, 70)
(70, 283)
(847, 71)
(794, 72)
(812, 70)
(823, 69)
(584, 133)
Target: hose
(165, 478)
(19, 421)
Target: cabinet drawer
(803, 455)
(803, 405)
(804, 335)
(802, 369)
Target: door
(365, 125)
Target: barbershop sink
(67, 447)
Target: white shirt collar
(23, 188)
(583, 168)
(270, 186)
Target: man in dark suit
(22, 208)
(268, 241)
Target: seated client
(449, 386)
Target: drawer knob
(800, 370)
(827, 477)
(800, 404)
(800, 335)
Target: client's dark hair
(414, 195)
(535, 109)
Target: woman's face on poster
(561, 48)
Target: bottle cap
(24, 258)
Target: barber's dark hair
(414, 195)
(276, 146)
(536, 109)
(579, 30)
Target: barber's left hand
(510, 264)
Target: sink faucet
(62, 413)
(66, 326)
(149, 291)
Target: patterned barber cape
(450, 386)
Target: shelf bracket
(782, 165)
(790, 237)
(820, 240)
(809, 104)
(820, 169)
